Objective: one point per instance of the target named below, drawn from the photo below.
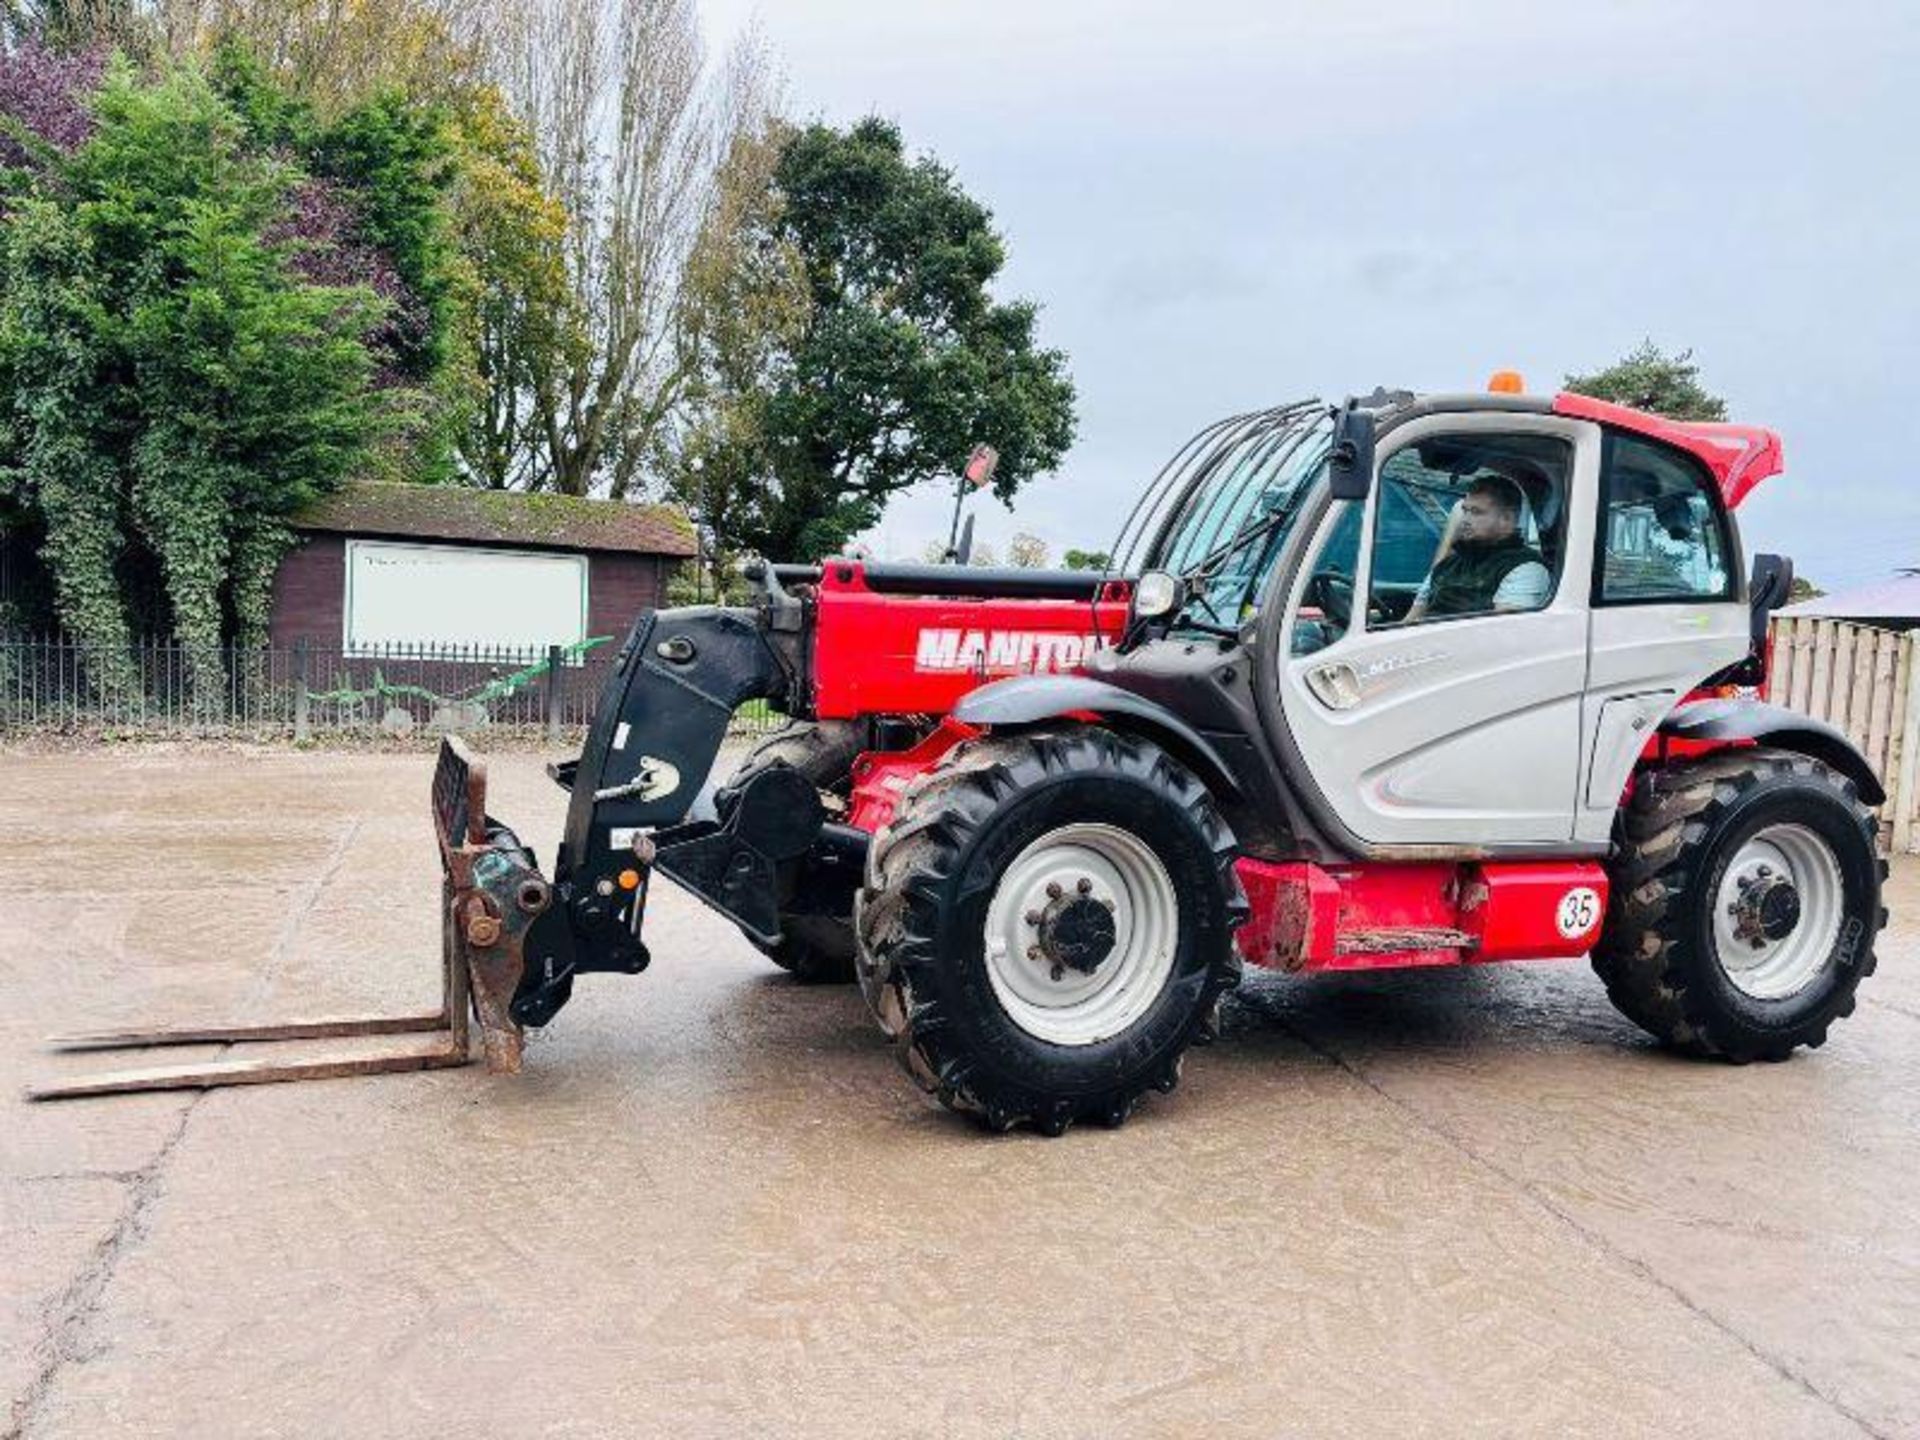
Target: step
(1400, 940)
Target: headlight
(1156, 593)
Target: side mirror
(1350, 462)
(1767, 590)
(1771, 583)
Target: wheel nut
(1085, 887)
(1034, 917)
(1053, 890)
(1057, 972)
(1033, 953)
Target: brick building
(384, 565)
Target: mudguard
(1027, 699)
(1755, 720)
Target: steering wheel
(1333, 594)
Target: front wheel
(1048, 923)
(1746, 898)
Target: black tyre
(1745, 901)
(816, 949)
(1047, 925)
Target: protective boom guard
(662, 715)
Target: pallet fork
(490, 893)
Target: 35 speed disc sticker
(1579, 912)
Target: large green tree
(171, 379)
(372, 208)
(896, 361)
(515, 309)
(1651, 379)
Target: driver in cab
(1483, 564)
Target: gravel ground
(1441, 1203)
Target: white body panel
(1645, 658)
(1458, 731)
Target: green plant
(1650, 379)
(846, 345)
(171, 377)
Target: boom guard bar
(662, 715)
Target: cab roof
(1739, 457)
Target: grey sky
(1224, 203)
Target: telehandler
(1405, 681)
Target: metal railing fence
(303, 690)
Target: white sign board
(457, 595)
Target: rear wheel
(1048, 924)
(1746, 898)
(816, 949)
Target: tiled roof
(501, 517)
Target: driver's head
(1489, 512)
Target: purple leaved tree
(317, 229)
(47, 94)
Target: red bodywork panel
(1740, 456)
(1347, 917)
(880, 775)
(880, 654)
(1378, 917)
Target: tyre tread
(911, 859)
(1661, 835)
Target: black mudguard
(1029, 699)
(1780, 728)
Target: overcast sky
(1226, 203)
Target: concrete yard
(1467, 1202)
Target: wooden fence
(1866, 681)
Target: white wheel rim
(1111, 868)
(1767, 966)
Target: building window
(400, 594)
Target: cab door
(1668, 610)
(1455, 724)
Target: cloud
(1199, 277)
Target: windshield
(1238, 502)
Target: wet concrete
(1449, 1203)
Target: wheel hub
(1081, 933)
(1778, 911)
(1768, 909)
(1076, 931)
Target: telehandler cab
(1409, 681)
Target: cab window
(1468, 525)
(1663, 536)
(1326, 605)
